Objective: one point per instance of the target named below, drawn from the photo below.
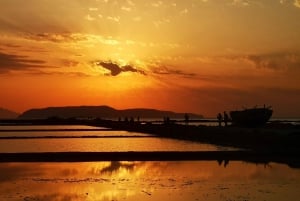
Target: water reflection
(147, 181)
(47, 127)
(104, 144)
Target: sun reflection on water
(116, 180)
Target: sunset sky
(200, 56)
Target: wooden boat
(254, 117)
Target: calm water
(71, 133)
(113, 141)
(141, 181)
(47, 127)
(104, 144)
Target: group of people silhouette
(224, 118)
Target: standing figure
(186, 119)
(226, 118)
(220, 118)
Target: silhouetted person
(226, 162)
(186, 119)
(131, 120)
(166, 120)
(220, 118)
(226, 118)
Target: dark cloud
(10, 62)
(162, 70)
(130, 69)
(116, 69)
(113, 68)
(275, 61)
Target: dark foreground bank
(274, 137)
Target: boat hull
(255, 117)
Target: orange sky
(200, 56)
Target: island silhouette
(7, 114)
(102, 112)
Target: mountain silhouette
(100, 112)
(8, 114)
